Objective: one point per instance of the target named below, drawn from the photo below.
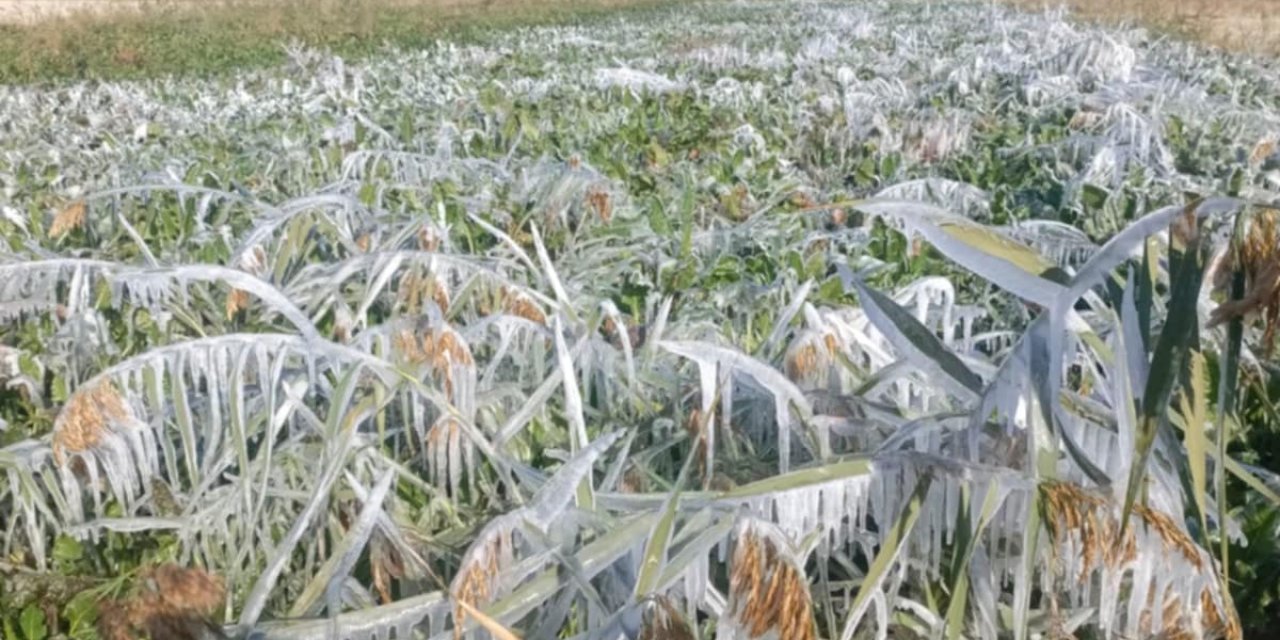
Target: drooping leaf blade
(914, 340)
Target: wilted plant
(166, 601)
(69, 218)
(1256, 255)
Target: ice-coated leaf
(969, 537)
(328, 580)
(554, 496)
(1194, 403)
(996, 258)
(345, 429)
(655, 553)
(784, 392)
(916, 342)
(1167, 365)
(890, 550)
(203, 278)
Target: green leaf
(655, 550)
(1145, 299)
(32, 623)
(1093, 196)
(658, 219)
(658, 156)
(687, 205)
(338, 566)
(67, 549)
(1240, 471)
(967, 538)
(1166, 365)
(1228, 378)
(81, 612)
(595, 557)
(1236, 468)
(706, 534)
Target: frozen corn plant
(751, 320)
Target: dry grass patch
(1251, 26)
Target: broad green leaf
(32, 623)
(81, 612)
(67, 549)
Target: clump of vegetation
(767, 321)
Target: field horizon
(42, 40)
(32, 12)
(103, 39)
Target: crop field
(741, 320)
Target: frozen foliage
(560, 325)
